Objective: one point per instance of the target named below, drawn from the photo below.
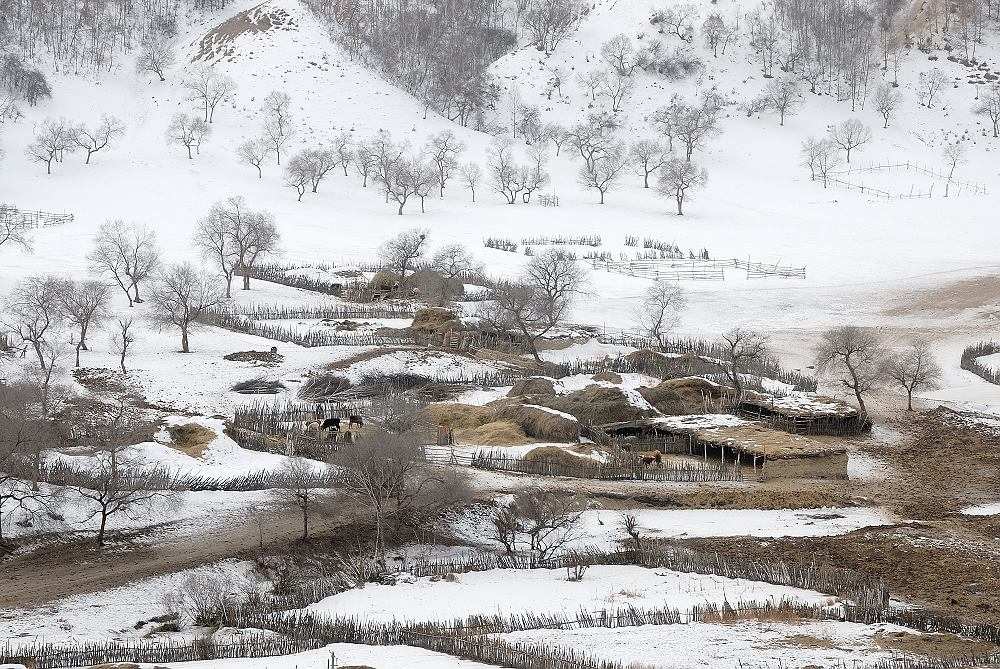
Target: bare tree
(659, 311)
(298, 175)
(215, 238)
(602, 173)
(12, 230)
(537, 523)
(188, 131)
(855, 356)
(32, 312)
(400, 493)
(850, 135)
(278, 131)
(254, 152)
(741, 349)
(315, 163)
(954, 155)
(253, 234)
(100, 137)
(472, 176)
(716, 33)
(182, 294)
(549, 22)
(677, 177)
(821, 156)
(591, 82)
(649, 155)
(989, 105)
(303, 485)
(209, 88)
(929, 86)
(84, 303)
(454, 262)
(616, 88)
(122, 339)
(620, 54)
(25, 434)
(425, 180)
(678, 20)
(116, 486)
(444, 150)
(343, 148)
(783, 96)
(886, 101)
(694, 124)
(52, 140)
(126, 254)
(560, 278)
(155, 55)
(400, 253)
(914, 370)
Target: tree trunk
(184, 339)
(246, 280)
(229, 286)
(100, 532)
(121, 362)
(138, 300)
(78, 355)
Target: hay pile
(190, 438)
(533, 385)
(503, 420)
(594, 405)
(690, 394)
(539, 422)
(384, 280)
(268, 358)
(435, 320)
(555, 455)
(608, 377)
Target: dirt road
(54, 572)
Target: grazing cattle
(310, 426)
(331, 424)
(355, 421)
(650, 457)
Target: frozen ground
(508, 591)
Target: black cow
(331, 424)
(355, 420)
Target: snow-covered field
(747, 644)
(506, 591)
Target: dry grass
(190, 438)
(676, 397)
(608, 377)
(539, 423)
(460, 416)
(555, 455)
(533, 385)
(594, 405)
(434, 319)
(495, 433)
(944, 646)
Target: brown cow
(650, 457)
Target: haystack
(384, 280)
(190, 438)
(554, 454)
(594, 405)
(542, 423)
(690, 394)
(533, 385)
(435, 320)
(496, 433)
(460, 416)
(608, 377)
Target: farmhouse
(767, 452)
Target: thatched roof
(506, 418)
(533, 385)
(799, 405)
(733, 433)
(687, 394)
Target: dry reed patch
(191, 438)
(943, 646)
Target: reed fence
(262, 312)
(57, 656)
(667, 472)
(970, 361)
(29, 218)
(310, 338)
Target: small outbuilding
(767, 452)
(804, 413)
